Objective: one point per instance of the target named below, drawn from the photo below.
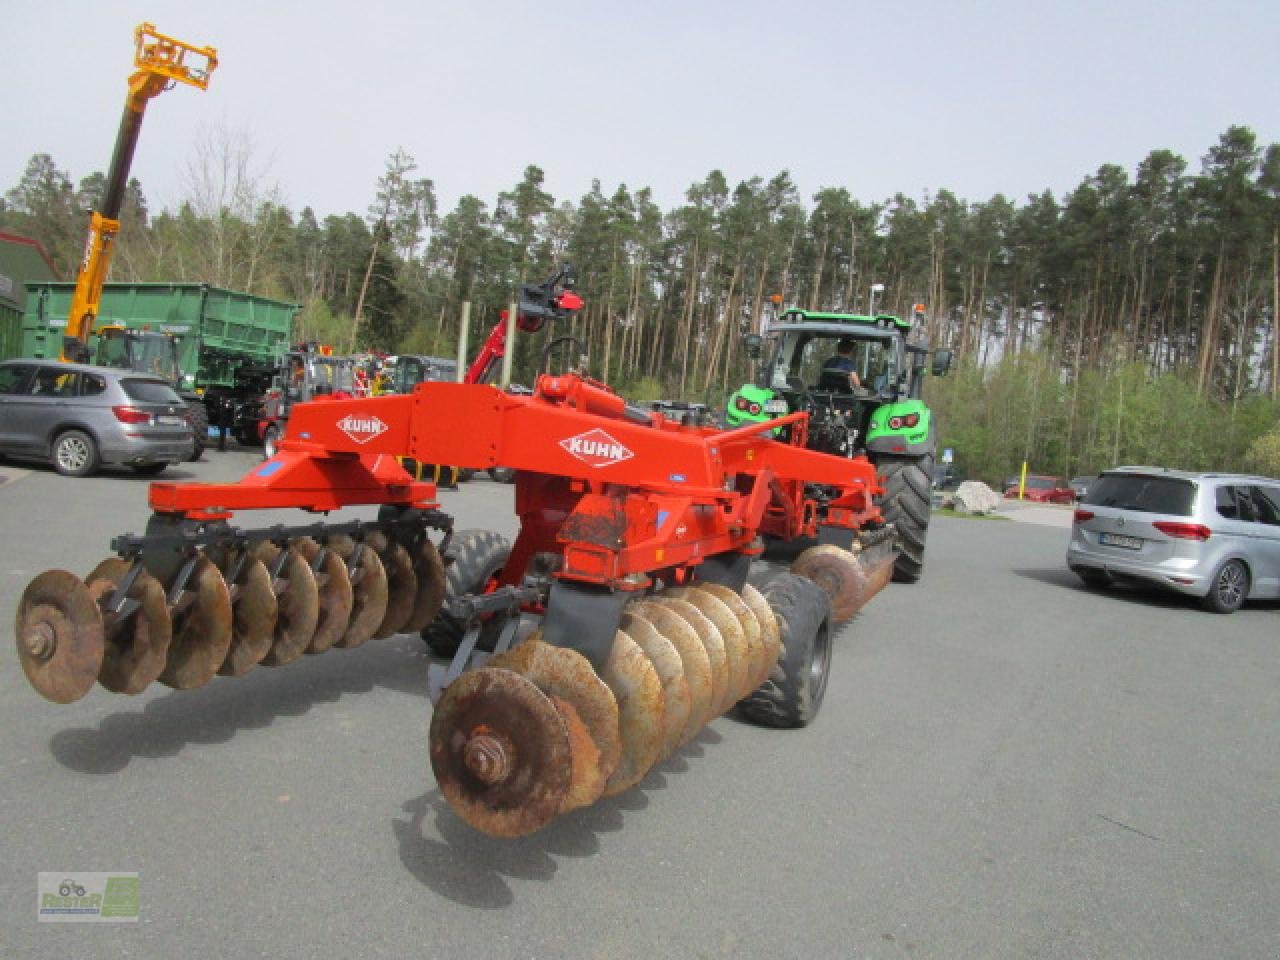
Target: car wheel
(75, 454)
(1228, 588)
(270, 441)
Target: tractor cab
(409, 370)
(142, 351)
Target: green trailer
(22, 261)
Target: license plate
(775, 406)
(170, 421)
(1120, 540)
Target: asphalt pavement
(1006, 765)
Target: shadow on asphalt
(216, 712)
(1129, 592)
(473, 869)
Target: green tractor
(860, 382)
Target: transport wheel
(200, 426)
(270, 441)
(907, 504)
(478, 556)
(1228, 588)
(75, 454)
(792, 695)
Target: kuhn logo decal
(596, 448)
(361, 429)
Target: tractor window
(872, 360)
(155, 355)
(113, 352)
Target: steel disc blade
(368, 591)
(693, 658)
(428, 568)
(564, 673)
(60, 637)
(714, 644)
(737, 658)
(838, 573)
(642, 712)
(336, 598)
(138, 645)
(670, 669)
(757, 665)
(585, 781)
(770, 635)
(254, 610)
(402, 585)
(201, 631)
(297, 605)
(500, 752)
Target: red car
(1043, 490)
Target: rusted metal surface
(60, 636)
(839, 574)
(770, 635)
(642, 711)
(298, 607)
(670, 669)
(369, 592)
(254, 610)
(137, 645)
(713, 643)
(500, 751)
(693, 657)
(601, 521)
(201, 630)
(736, 656)
(333, 586)
(428, 568)
(402, 585)
(757, 664)
(586, 783)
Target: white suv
(1210, 535)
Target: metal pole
(508, 352)
(464, 328)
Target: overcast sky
(880, 98)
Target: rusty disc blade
(770, 635)
(60, 637)
(500, 752)
(642, 712)
(201, 630)
(693, 658)
(670, 669)
(567, 674)
(585, 783)
(368, 591)
(757, 665)
(336, 598)
(254, 610)
(297, 605)
(402, 585)
(138, 645)
(736, 655)
(838, 573)
(428, 568)
(714, 644)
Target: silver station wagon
(1215, 536)
(79, 417)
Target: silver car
(1210, 535)
(79, 417)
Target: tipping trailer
(637, 535)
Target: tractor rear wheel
(907, 504)
(793, 693)
(477, 557)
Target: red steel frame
(615, 498)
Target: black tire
(200, 426)
(477, 556)
(149, 469)
(502, 474)
(1229, 587)
(75, 454)
(907, 504)
(270, 441)
(792, 695)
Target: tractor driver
(842, 363)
